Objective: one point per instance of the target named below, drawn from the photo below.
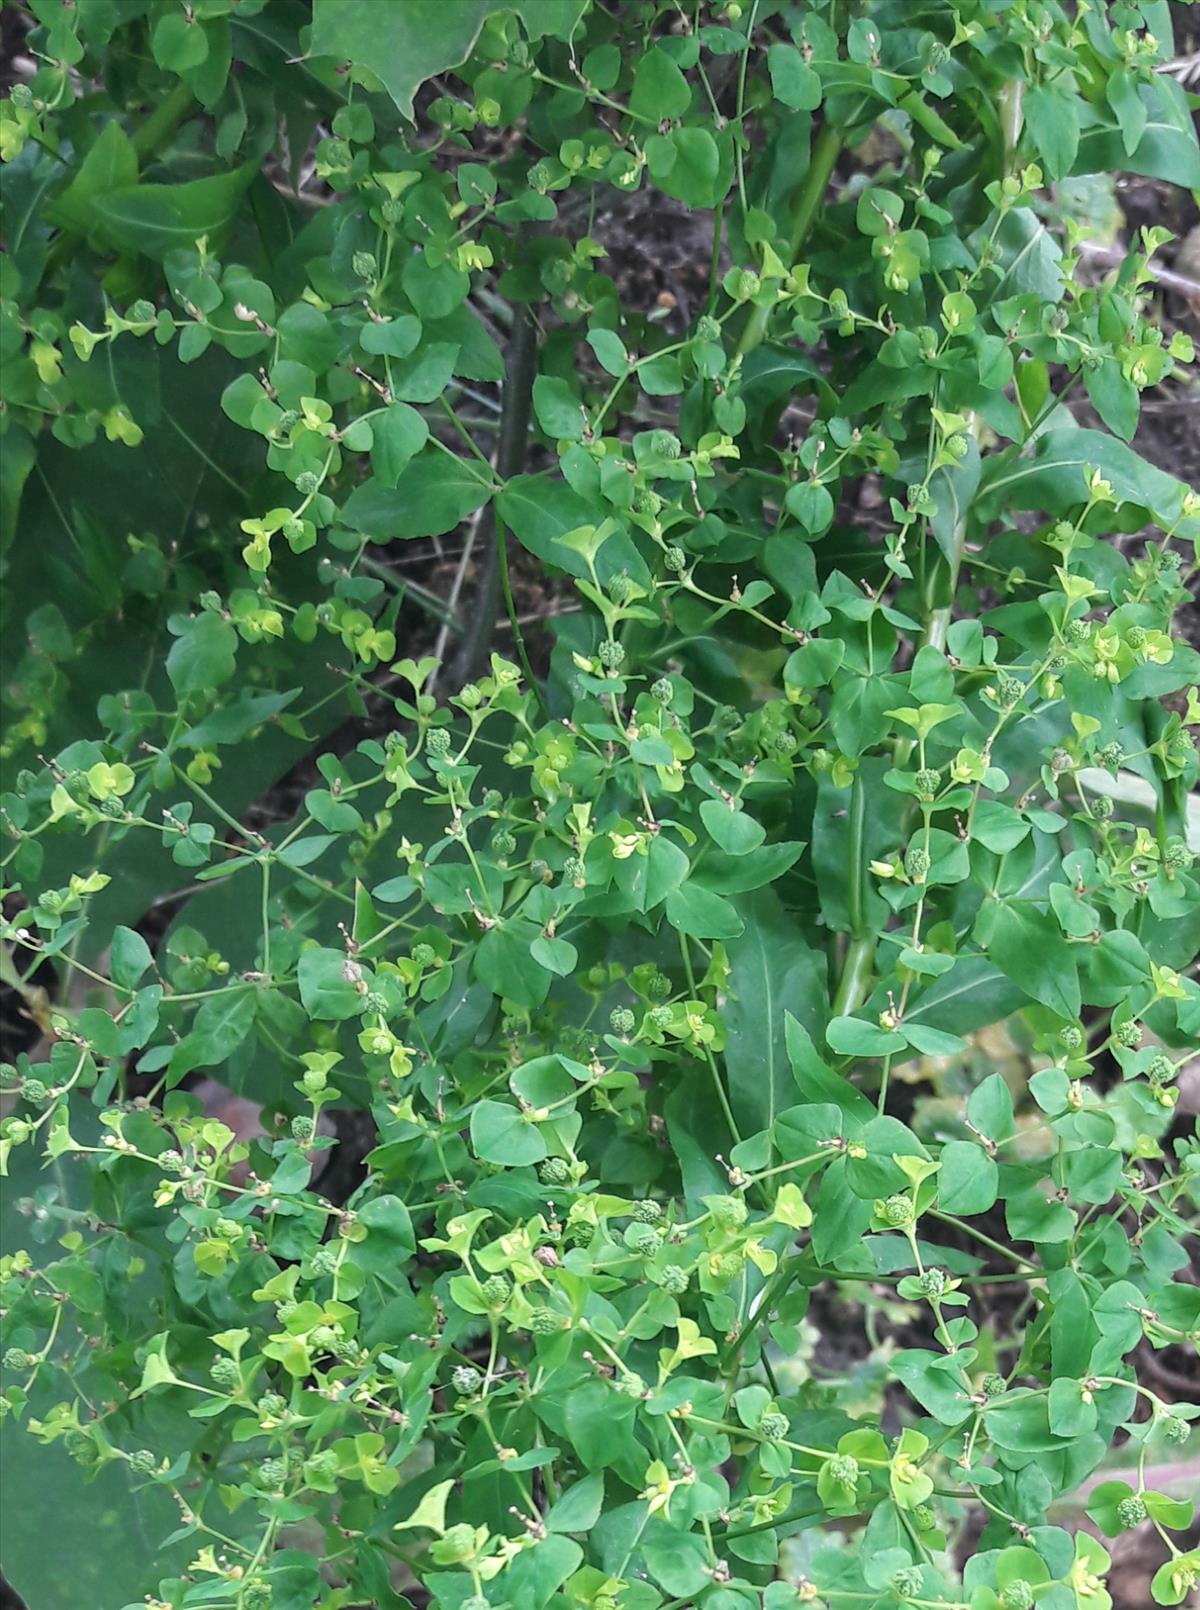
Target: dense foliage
(653, 978)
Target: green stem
(855, 981)
(521, 368)
(163, 121)
(511, 608)
(825, 153)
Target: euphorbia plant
(653, 975)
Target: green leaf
(395, 338)
(505, 963)
(1053, 479)
(424, 377)
(110, 164)
(969, 1179)
(129, 957)
(502, 1134)
(329, 988)
(686, 164)
(406, 45)
(397, 436)
(204, 656)
(816, 1081)
(660, 91)
(700, 914)
(793, 81)
(1032, 1216)
(729, 826)
(1052, 118)
(769, 965)
(578, 1509)
(1028, 947)
(153, 219)
(431, 496)
(178, 43)
(558, 409)
(853, 1037)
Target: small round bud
(365, 265)
(1135, 636)
(1161, 1069)
(1017, 1595)
(1111, 756)
(270, 1406)
(675, 559)
(424, 955)
(503, 842)
(843, 1467)
(729, 1212)
(924, 1517)
(675, 1281)
(1078, 632)
(647, 1212)
(644, 1238)
(437, 742)
(610, 654)
(1071, 1037)
(34, 1091)
(897, 1211)
(225, 1373)
(661, 1017)
(16, 1358)
(458, 1543)
(622, 587)
(314, 1080)
(323, 1338)
(1175, 855)
(932, 1283)
(1174, 1428)
(1128, 1034)
(621, 1020)
(774, 1426)
(143, 1462)
(927, 781)
(555, 1171)
(545, 1322)
(907, 1581)
(273, 1474)
(916, 864)
(307, 483)
(1102, 808)
(659, 987)
(495, 1291)
(993, 1385)
(1009, 689)
(662, 691)
(1131, 1512)
(466, 1379)
(302, 1127)
(325, 1261)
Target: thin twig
(1111, 257)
